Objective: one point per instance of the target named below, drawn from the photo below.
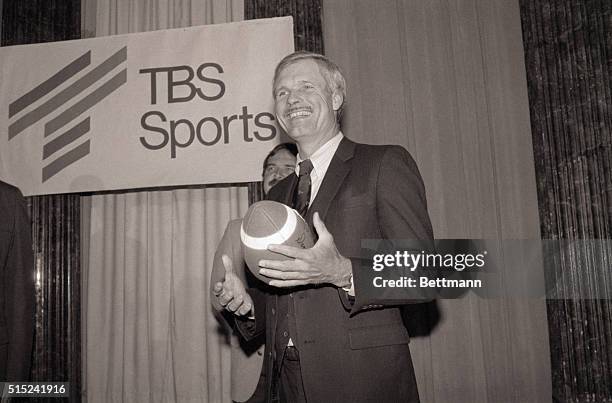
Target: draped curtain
(149, 332)
(568, 52)
(55, 218)
(446, 79)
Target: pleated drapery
(150, 334)
(446, 79)
(568, 52)
(55, 218)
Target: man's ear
(337, 100)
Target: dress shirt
(320, 161)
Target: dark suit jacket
(354, 352)
(16, 286)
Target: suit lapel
(339, 167)
(283, 191)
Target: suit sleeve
(401, 212)
(251, 328)
(20, 294)
(401, 203)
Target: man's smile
(299, 112)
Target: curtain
(307, 32)
(55, 218)
(446, 79)
(149, 332)
(568, 52)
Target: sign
(163, 108)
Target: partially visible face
(280, 165)
(304, 104)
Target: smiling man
(327, 341)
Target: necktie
(301, 197)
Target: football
(269, 222)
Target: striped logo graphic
(69, 146)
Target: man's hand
(231, 293)
(320, 264)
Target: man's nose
(293, 98)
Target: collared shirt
(320, 161)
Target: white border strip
(279, 237)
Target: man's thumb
(227, 263)
(320, 227)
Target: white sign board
(163, 108)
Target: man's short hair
(291, 147)
(330, 70)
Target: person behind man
(329, 338)
(248, 382)
(17, 303)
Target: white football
(269, 222)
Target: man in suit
(248, 382)
(16, 286)
(329, 336)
